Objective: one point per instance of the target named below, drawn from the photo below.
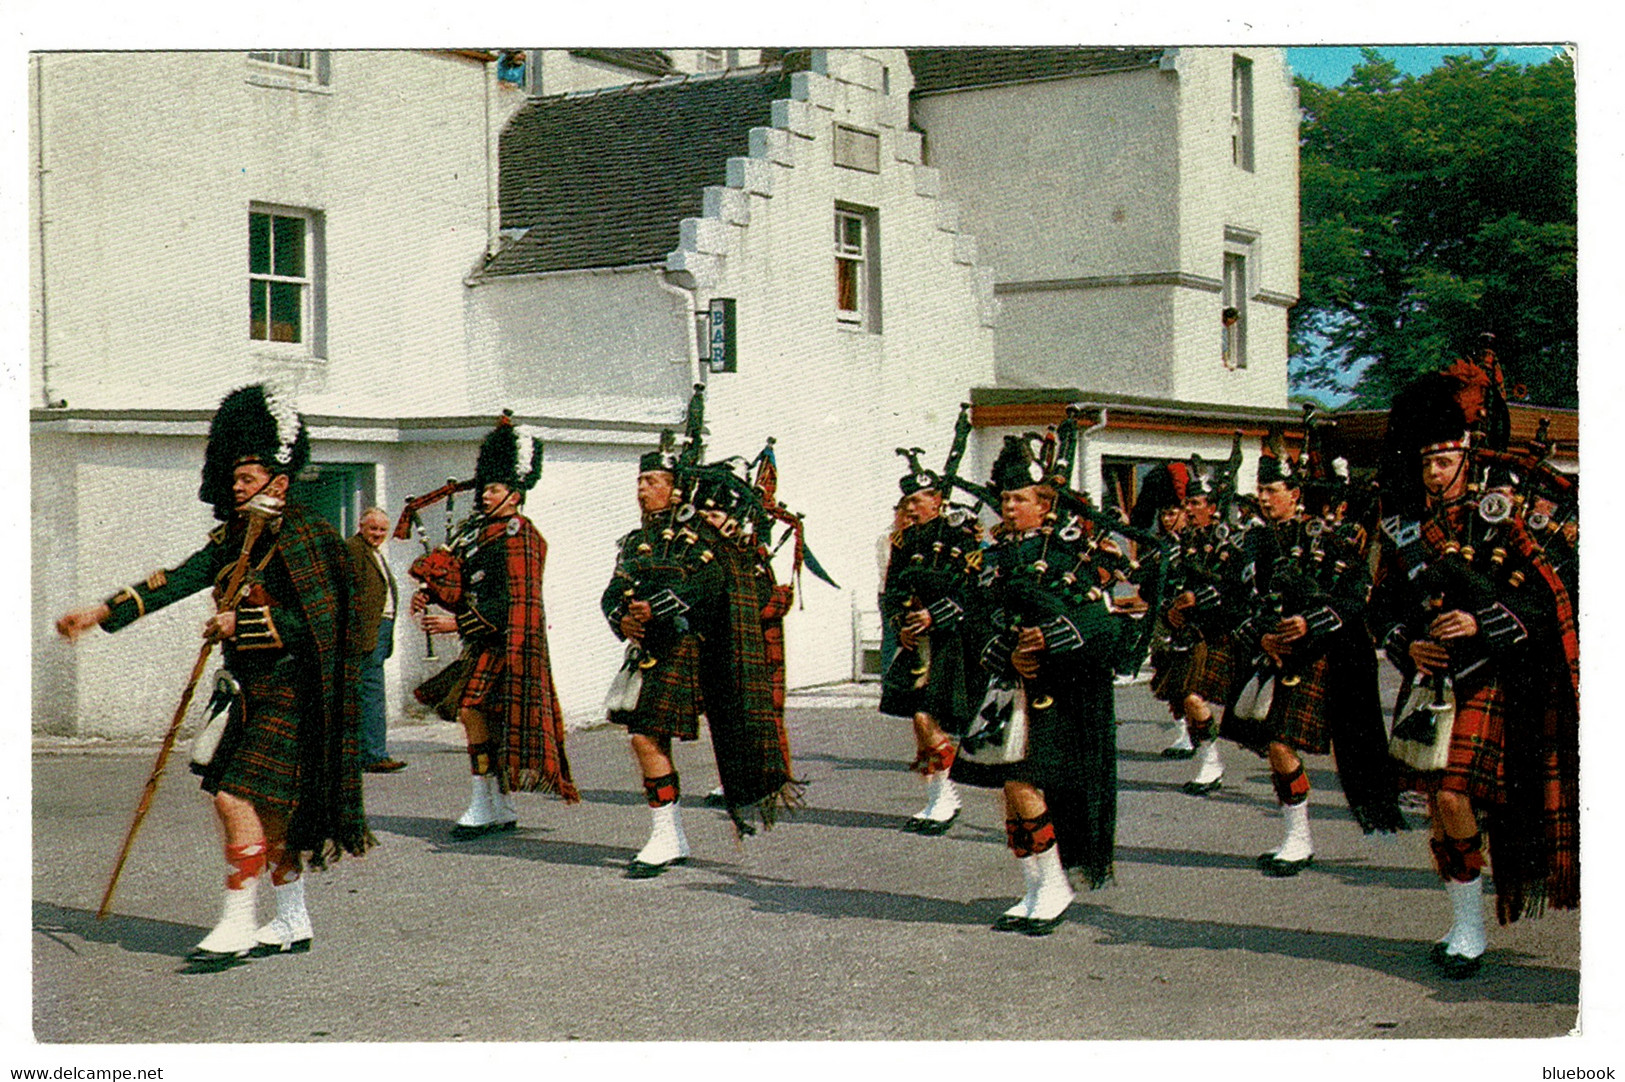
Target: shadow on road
(139, 934)
(842, 762)
(1354, 873)
(1502, 980)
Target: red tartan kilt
(264, 766)
(670, 703)
(1212, 671)
(1298, 714)
(484, 688)
(773, 639)
(1475, 766)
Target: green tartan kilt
(1214, 674)
(670, 703)
(261, 760)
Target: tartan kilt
(1298, 714)
(670, 703)
(263, 761)
(1476, 765)
(1171, 672)
(1213, 669)
(484, 680)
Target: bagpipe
(1519, 514)
(440, 567)
(939, 557)
(1074, 561)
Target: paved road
(835, 926)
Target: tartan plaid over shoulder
(329, 817)
(1514, 749)
(736, 678)
(512, 677)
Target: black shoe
(461, 833)
(265, 950)
(202, 961)
(715, 800)
(930, 827)
(640, 870)
(1178, 753)
(1276, 868)
(1007, 922)
(1202, 788)
(1455, 966)
(384, 766)
(1035, 926)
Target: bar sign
(723, 357)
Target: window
(1241, 112)
(285, 58)
(1233, 317)
(284, 301)
(856, 268)
(716, 59)
(289, 68)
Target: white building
(428, 238)
(1124, 199)
(356, 195)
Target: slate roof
(602, 179)
(937, 70)
(653, 61)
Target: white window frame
(312, 299)
(1239, 275)
(267, 68)
(863, 256)
(1241, 112)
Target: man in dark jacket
(377, 599)
(285, 776)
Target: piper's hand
(1182, 602)
(1429, 657)
(222, 625)
(1272, 645)
(1291, 629)
(632, 628)
(640, 611)
(1025, 662)
(438, 623)
(920, 621)
(1031, 640)
(420, 601)
(1454, 624)
(907, 637)
(79, 621)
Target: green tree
(1435, 208)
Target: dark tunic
(686, 587)
(295, 748)
(1195, 659)
(933, 566)
(709, 653)
(1325, 695)
(1514, 745)
(1071, 744)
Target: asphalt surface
(835, 926)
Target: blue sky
(1329, 65)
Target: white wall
(1081, 189)
(1215, 195)
(152, 160)
(837, 400)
